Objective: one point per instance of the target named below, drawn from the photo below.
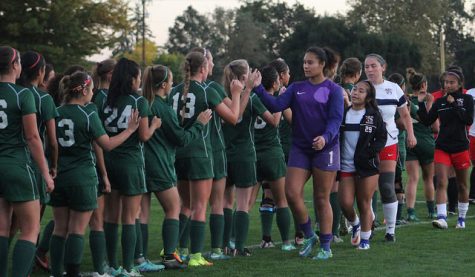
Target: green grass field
(420, 250)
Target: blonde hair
(153, 77)
(193, 62)
(234, 70)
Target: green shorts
(127, 178)
(157, 185)
(77, 198)
(423, 152)
(41, 184)
(17, 183)
(270, 169)
(100, 185)
(219, 165)
(194, 168)
(242, 174)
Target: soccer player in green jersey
(18, 190)
(270, 166)
(125, 165)
(160, 156)
(194, 162)
(75, 197)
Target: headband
(37, 61)
(453, 74)
(164, 78)
(14, 55)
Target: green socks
(197, 236)
(170, 229)
(97, 243)
(241, 222)
(184, 231)
(267, 218)
(4, 242)
(111, 231)
(430, 207)
(57, 255)
(23, 255)
(73, 253)
(144, 230)
(336, 213)
(43, 245)
(283, 222)
(139, 242)
(128, 245)
(228, 223)
(216, 226)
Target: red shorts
(389, 153)
(472, 148)
(346, 174)
(460, 160)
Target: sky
(162, 13)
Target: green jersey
(217, 136)
(116, 120)
(99, 98)
(15, 102)
(421, 131)
(198, 99)
(160, 149)
(76, 128)
(46, 110)
(240, 138)
(266, 139)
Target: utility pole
(143, 33)
(442, 51)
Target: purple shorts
(327, 159)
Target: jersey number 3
(68, 139)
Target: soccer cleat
(114, 272)
(183, 252)
(96, 274)
(440, 223)
(355, 235)
(323, 255)
(148, 266)
(460, 223)
(244, 253)
(299, 238)
(288, 247)
(307, 246)
(390, 237)
(216, 254)
(412, 218)
(364, 245)
(198, 260)
(401, 222)
(132, 273)
(432, 215)
(337, 239)
(267, 244)
(173, 264)
(232, 244)
(42, 262)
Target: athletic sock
(73, 251)
(57, 255)
(184, 231)
(325, 240)
(452, 193)
(400, 205)
(138, 253)
(356, 221)
(267, 218)
(335, 204)
(4, 242)
(374, 204)
(283, 222)
(365, 235)
(241, 221)
(442, 211)
(197, 236)
(307, 229)
(233, 227)
(43, 245)
(128, 245)
(97, 243)
(144, 230)
(216, 227)
(390, 211)
(111, 231)
(23, 255)
(228, 223)
(430, 206)
(411, 211)
(471, 194)
(463, 208)
(170, 230)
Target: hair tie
(86, 83)
(164, 78)
(14, 55)
(205, 51)
(37, 61)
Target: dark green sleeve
(95, 127)
(213, 97)
(48, 109)
(27, 102)
(174, 132)
(143, 107)
(257, 107)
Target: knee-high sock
(111, 231)
(241, 220)
(23, 255)
(283, 222)
(216, 227)
(335, 204)
(228, 224)
(97, 243)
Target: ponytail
(153, 78)
(71, 86)
(8, 56)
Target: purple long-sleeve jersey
(317, 110)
